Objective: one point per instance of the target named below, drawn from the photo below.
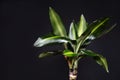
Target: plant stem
(72, 74)
(73, 66)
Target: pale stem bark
(73, 74)
(73, 66)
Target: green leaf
(97, 57)
(99, 23)
(47, 54)
(101, 27)
(102, 61)
(87, 41)
(50, 40)
(108, 30)
(57, 24)
(90, 32)
(72, 31)
(82, 26)
(92, 28)
(100, 32)
(69, 53)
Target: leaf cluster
(80, 35)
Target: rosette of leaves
(80, 35)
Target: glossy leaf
(57, 24)
(98, 34)
(102, 61)
(100, 27)
(97, 57)
(47, 54)
(82, 26)
(88, 40)
(102, 31)
(94, 27)
(69, 53)
(90, 32)
(98, 24)
(72, 31)
(50, 40)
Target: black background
(23, 21)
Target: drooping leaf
(69, 53)
(97, 57)
(50, 40)
(102, 61)
(72, 31)
(82, 26)
(57, 24)
(47, 54)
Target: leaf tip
(108, 71)
(37, 42)
(82, 16)
(39, 56)
(50, 8)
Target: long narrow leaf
(87, 41)
(50, 40)
(91, 29)
(101, 28)
(72, 31)
(47, 54)
(98, 58)
(102, 62)
(69, 53)
(82, 26)
(57, 24)
(99, 23)
(100, 32)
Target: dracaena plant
(75, 41)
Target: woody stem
(73, 66)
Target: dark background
(23, 21)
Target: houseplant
(75, 41)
